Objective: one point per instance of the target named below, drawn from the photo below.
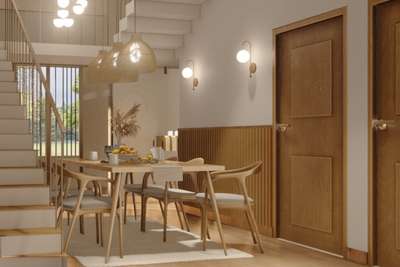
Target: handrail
(39, 69)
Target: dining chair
(240, 201)
(136, 189)
(166, 177)
(82, 204)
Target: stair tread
(33, 231)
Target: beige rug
(146, 248)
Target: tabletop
(141, 167)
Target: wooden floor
(277, 253)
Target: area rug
(145, 248)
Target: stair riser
(9, 99)
(5, 66)
(14, 127)
(18, 141)
(24, 196)
(18, 159)
(12, 112)
(7, 76)
(22, 177)
(8, 87)
(29, 245)
(25, 219)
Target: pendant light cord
(134, 8)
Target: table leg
(114, 207)
(214, 205)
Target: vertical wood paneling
(235, 147)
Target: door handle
(282, 127)
(383, 125)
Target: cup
(114, 159)
(93, 155)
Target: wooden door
(387, 134)
(309, 112)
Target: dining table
(117, 172)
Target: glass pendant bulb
(78, 9)
(243, 56)
(62, 13)
(187, 73)
(68, 22)
(83, 3)
(63, 3)
(59, 23)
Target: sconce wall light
(188, 72)
(245, 55)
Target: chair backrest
(163, 174)
(240, 173)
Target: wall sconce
(188, 72)
(245, 55)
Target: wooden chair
(82, 204)
(136, 189)
(240, 201)
(166, 176)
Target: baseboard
(357, 256)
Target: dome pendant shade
(138, 55)
(96, 68)
(114, 71)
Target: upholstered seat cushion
(135, 188)
(158, 192)
(226, 199)
(88, 202)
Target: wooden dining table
(146, 169)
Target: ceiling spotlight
(78, 9)
(63, 3)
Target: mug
(114, 159)
(93, 155)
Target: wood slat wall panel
(235, 147)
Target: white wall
(159, 96)
(226, 97)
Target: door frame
(372, 233)
(340, 12)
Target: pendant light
(114, 71)
(137, 54)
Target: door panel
(387, 139)
(310, 100)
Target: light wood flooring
(277, 252)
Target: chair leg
(97, 228)
(143, 215)
(126, 206)
(205, 221)
(120, 234)
(251, 227)
(161, 207)
(70, 230)
(165, 220)
(179, 215)
(82, 224)
(101, 230)
(68, 218)
(255, 226)
(185, 216)
(134, 205)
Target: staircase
(27, 221)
